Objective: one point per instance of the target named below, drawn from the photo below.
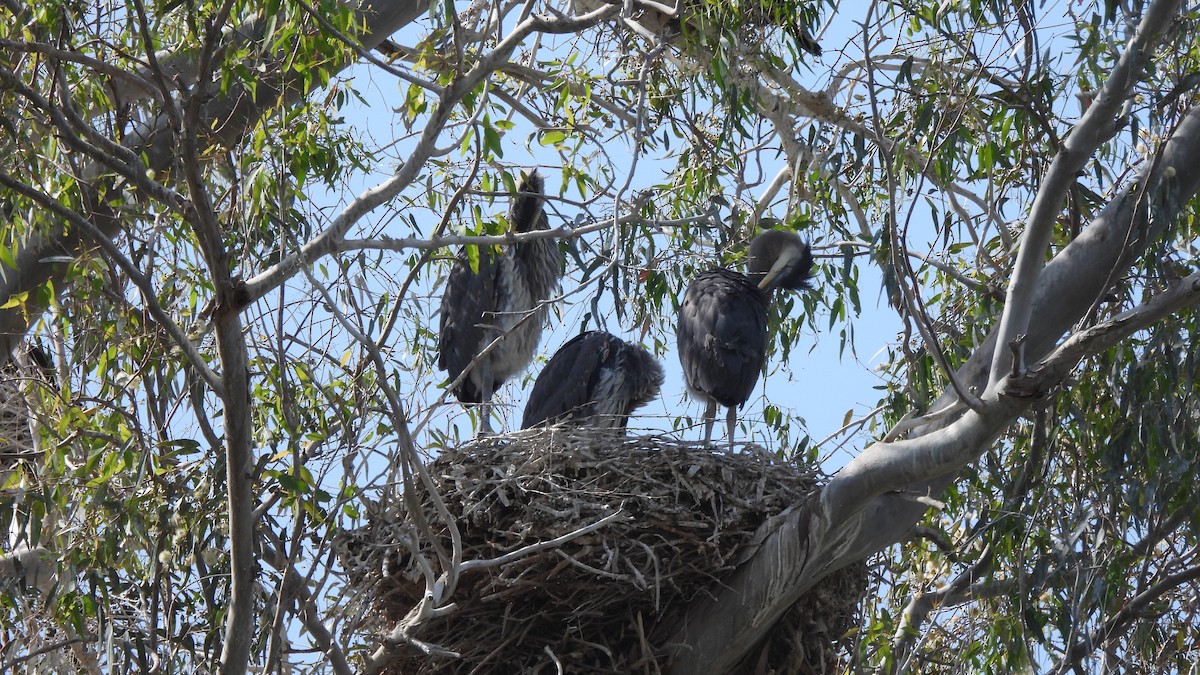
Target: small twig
(1017, 347)
(540, 546)
(557, 664)
(908, 496)
(908, 422)
(10, 665)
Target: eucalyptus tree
(226, 222)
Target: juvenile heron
(722, 332)
(505, 298)
(595, 380)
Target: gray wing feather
(467, 306)
(568, 381)
(722, 336)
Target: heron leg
(731, 422)
(485, 405)
(710, 416)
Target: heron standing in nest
(596, 380)
(505, 298)
(722, 331)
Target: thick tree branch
(859, 512)
(239, 476)
(1098, 125)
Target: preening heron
(506, 298)
(722, 332)
(596, 379)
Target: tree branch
(223, 119)
(857, 513)
(1098, 124)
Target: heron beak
(780, 263)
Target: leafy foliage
(240, 178)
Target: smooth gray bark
(869, 504)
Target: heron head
(531, 181)
(526, 212)
(780, 259)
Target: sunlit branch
(235, 381)
(293, 588)
(918, 609)
(768, 195)
(874, 473)
(1098, 124)
(10, 666)
(976, 582)
(263, 283)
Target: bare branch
(1096, 126)
(858, 512)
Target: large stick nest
(605, 601)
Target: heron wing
(722, 336)
(467, 306)
(567, 384)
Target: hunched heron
(595, 380)
(506, 299)
(722, 331)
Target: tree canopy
(226, 226)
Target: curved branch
(860, 511)
(1098, 124)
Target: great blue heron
(596, 379)
(505, 297)
(722, 330)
